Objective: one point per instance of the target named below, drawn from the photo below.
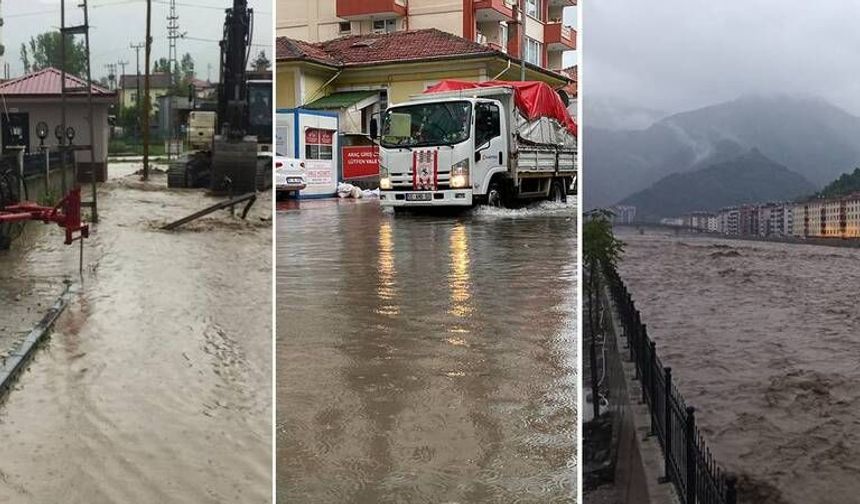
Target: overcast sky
(675, 55)
(117, 23)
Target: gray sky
(675, 55)
(118, 23)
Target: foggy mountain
(748, 178)
(808, 135)
(615, 114)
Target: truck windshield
(441, 123)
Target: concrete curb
(641, 459)
(13, 365)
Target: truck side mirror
(374, 129)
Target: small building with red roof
(36, 97)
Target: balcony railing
(494, 10)
(355, 10)
(559, 37)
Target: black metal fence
(688, 463)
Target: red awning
(533, 98)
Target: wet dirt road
(156, 383)
(425, 358)
(763, 338)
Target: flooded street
(425, 358)
(156, 384)
(763, 340)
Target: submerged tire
(497, 195)
(557, 192)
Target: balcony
(558, 37)
(357, 10)
(494, 10)
(562, 3)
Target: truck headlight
(384, 178)
(460, 174)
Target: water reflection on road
(425, 358)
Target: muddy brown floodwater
(425, 358)
(156, 383)
(764, 339)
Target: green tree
(186, 71)
(600, 249)
(43, 51)
(161, 65)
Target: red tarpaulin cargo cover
(533, 98)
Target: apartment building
(828, 218)
(624, 214)
(698, 220)
(729, 220)
(774, 219)
(494, 23)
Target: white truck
(460, 148)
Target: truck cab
(459, 149)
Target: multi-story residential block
(828, 218)
(698, 220)
(713, 223)
(624, 214)
(748, 222)
(495, 23)
(729, 221)
(772, 220)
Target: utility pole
(137, 101)
(122, 65)
(522, 40)
(111, 69)
(146, 92)
(172, 35)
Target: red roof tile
(46, 82)
(415, 45)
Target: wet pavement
(425, 358)
(156, 383)
(763, 340)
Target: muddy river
(425, 358)
(763, 338)
(156, 384)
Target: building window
(384, 26)
(534, 49)
(344, 28)
(318, 143)
(503, 36)
(533, 9)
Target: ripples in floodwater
(762, 338)
(425, 358)
(156, 384)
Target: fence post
(667, 428)
(731, 489)
(692, 461)
(635, 349)
(652, 387)
(644, 359)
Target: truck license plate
(418, 196)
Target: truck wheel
(557, 192)
(496, 196)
